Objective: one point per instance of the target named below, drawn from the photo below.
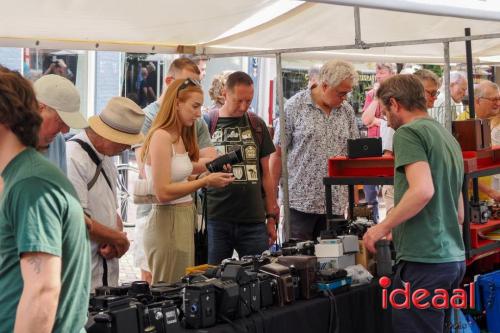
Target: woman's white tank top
(180, 168)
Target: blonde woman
(169, 150)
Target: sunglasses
(188, 82)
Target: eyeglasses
(492, 99)
(188, 82)
(342, 94)
(433, 93)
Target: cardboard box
(363, 257)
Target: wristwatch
(271, 216)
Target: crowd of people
(61, 235)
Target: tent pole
(470, 74)
(284, 158)
(352, 46)
(357, 26)
(448, 117)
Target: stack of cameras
(235, 289)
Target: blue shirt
(56, 153)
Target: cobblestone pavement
(128, 272)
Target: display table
(355, 310)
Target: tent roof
(261, 26)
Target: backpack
(212, 117)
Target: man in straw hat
(93, 173)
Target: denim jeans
(446, 276)
(225, 237)
(371, 196)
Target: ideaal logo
(440, 297)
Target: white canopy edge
(470, 9)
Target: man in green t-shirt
(237, 214)
(44, 246)
(425, 221)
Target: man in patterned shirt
(318, 123)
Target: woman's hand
(219, 179)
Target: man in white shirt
(92, 171)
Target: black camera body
(296, 247)
(112, 312)
(268, 290)
(199, 305)
(227, 295)
(249, 289)
(120, 314)
(163, 316)
(479, 212)
(217, 165)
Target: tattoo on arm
(36, 263)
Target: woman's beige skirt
(169, 241)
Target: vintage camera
(114, 309)
(284, 280)
(227, 295)
(162, 316)
(140, 291)
(249, 289)
(119, 314)
(296, 247)
(232, 158)
(479, 212)
(306, 267)
(168, 292)
(199, 305)
(268, 290)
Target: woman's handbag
(143, 194)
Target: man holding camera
(44, 247)
(237, 213)
(319, 121)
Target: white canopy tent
(223, 27)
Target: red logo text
(459, 298)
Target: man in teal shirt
(44, 246)
(425, 222)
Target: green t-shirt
(433, 235)
(40, 212)
(242, 201)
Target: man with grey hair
(318, 123)
(486, 105)
(458, 88)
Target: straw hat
(61, 94)
(120, 121)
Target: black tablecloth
(357, 310)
